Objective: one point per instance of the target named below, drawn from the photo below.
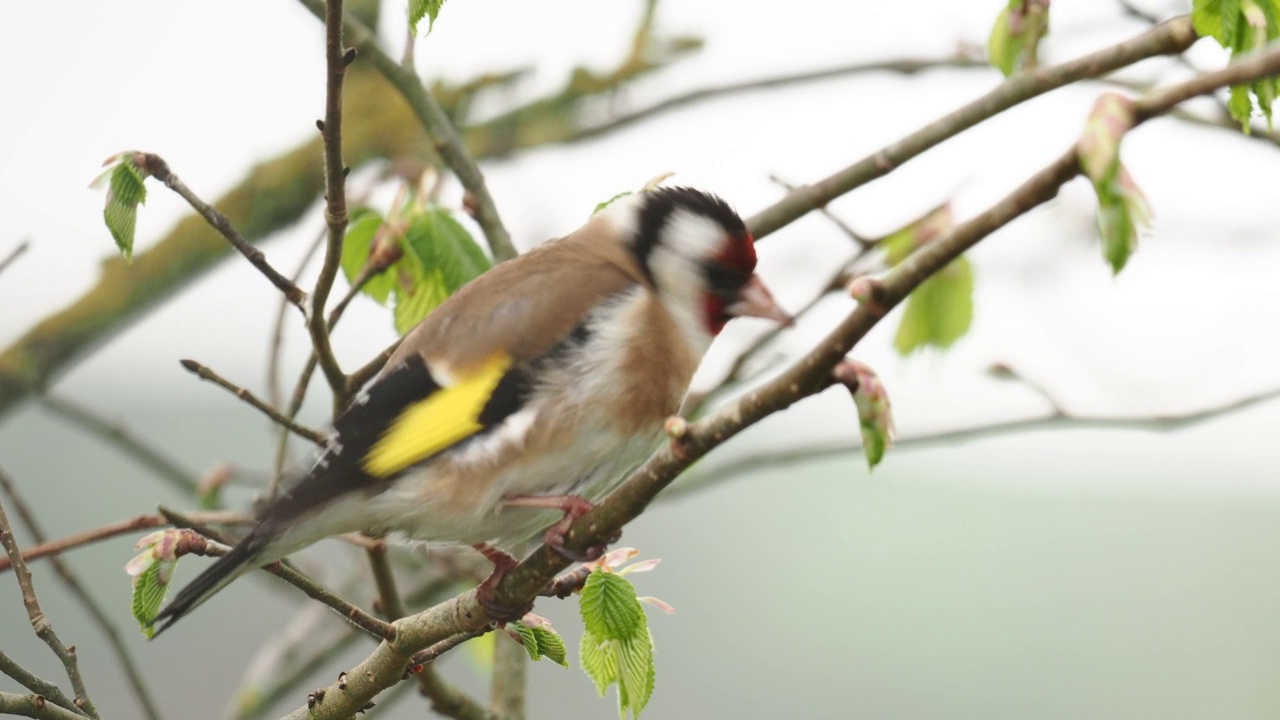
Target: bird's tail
(245, 556)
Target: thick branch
(37, 685)
(33, 706)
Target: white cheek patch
(696, 237)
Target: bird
(534, 389)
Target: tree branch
(125, 659)
(154, 164)
(37, 685)
(40, 623)
(347, 610)
(204, 373)
(124, 527)
(34, 706)
(436, 123)
(335, 213)
(13, 256)
(1173, 36)
(807, 376)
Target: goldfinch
(533, 389)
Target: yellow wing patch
(428, 426)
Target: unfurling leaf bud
(875, 417)
(1099, 147)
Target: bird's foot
(503, 562)
(573, 507)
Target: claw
(503, 562)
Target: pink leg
(573, 507)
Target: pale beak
(755, 300)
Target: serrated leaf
(440, 257)
(356, 247)
(418, 292)
(541, 642)
(126, 192)
(599, 664)
(610, 201)
(419, 9)
(635, 672)
(149, 589)
(939, 311)
(609, 606)
(1240, 26)
(1219, 19)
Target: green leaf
(616, 645)
(1240, 26)
(356, 247)
(126, 192)
(635, 673)
(610, 201)
(609, 606)
(423, 8)
(440, 257)
(540, 642)
(939, 311)
(149, 589)
(600, 665)
(1015, 38)
(1122, 212)
(1219, 19)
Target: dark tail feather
(245, 556)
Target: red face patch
(739, 256)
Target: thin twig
(40, 622)
(119, 437)
(905, 66)
(366, 373)
(275, 389)
(385, 580)
(337, 58)
(14, 255)
(509, 686)
(124, 527)
(1058, 420)
(865, 244)
(446, 699)
(811, 373)
(156, 165)
(132, 673)
(348, 610)
(1170, 37)
(204, 373)
(437, 125)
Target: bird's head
(699, 257)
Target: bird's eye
(723, 280)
